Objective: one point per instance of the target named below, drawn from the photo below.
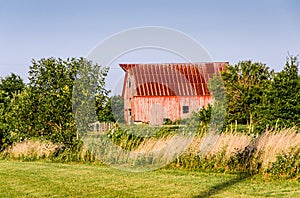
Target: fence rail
(102, 127)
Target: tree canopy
(255, 94)
(44, 109)
(47, 107)
(10, 87)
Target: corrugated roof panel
(172, 78)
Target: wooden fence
(102, 127)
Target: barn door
(157, 114)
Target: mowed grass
(39, 179)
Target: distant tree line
(259, 96)
(255, 95)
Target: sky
(232, 30)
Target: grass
(275, 153)
(32, 149)
(266, 147)
(39, 179)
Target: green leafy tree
(90, 98)
(103, 108)
(46, 110)
(110, 109)
(245, 84)
(218, 110)
(281, 106)
(10, 86)
(20, 118)
(117, 104)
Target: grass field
(38, 179)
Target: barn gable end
(153, 93)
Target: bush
(287, 165)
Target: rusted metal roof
(171, 79)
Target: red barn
(153, 93)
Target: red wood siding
(152, 92)
(154, 109)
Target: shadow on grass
(246, 156)
(218, 188)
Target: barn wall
(152, 92)
(153, 109)
(128, 92)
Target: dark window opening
(129, 112)
(185, 109)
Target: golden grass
(229, 142)
(32, 149)
(273, 143)
(268, 145)
(153, 144)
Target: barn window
(129, 112)
(129, 82)
(185, 109)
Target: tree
(110, 109)
(46, 110)
(90, 98)
(281, 106)
(117, 104)
(245, 84)
(10, 86)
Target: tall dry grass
(273, 143)
(265, 147)
(227, 146)
(31, 149)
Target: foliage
(90, 97)
(117, 105)
(204, 114)
(239, 162)
(21, 118)
(10, 87)
(11, 84)
(111, 109)
(104, 111)
(261, 98)
(287, 165)
(245, 160)
(59, 91)
(281, 107)
(129, 137)
(218, 110)
(45, 110)
(125, 138)
(245, 84)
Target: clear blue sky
(230, 30)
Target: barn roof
(171, 79)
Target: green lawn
(38, 179)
